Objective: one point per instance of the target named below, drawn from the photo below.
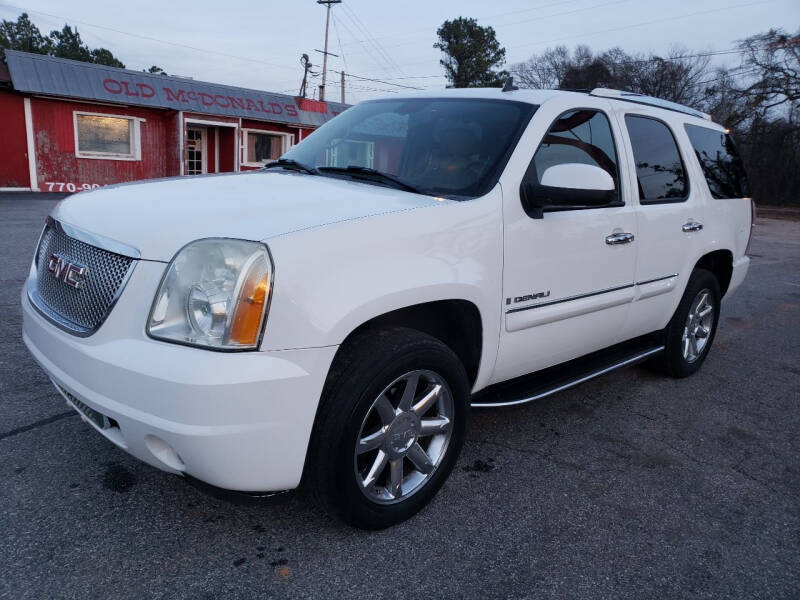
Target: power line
(380, 50)
(540, 18)
(148, 38)
(484, 18)
(362, 78)
(643, 60)
(644, 23)
(615, 29)
(339, 39)
(371, 54)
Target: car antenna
(509, 86)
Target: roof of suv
(538, 97)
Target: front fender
(331, 279)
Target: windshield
(453, 147)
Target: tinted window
(659, 170)
(578, 136)
(720, 162)
(446, 147)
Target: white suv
(332, 317)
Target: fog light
(164, 452)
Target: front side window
(720, 162)
(659, 168)
(264, 147)
(579, 136)
(100, 136)
(453, 147)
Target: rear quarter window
(720, 162)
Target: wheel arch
(720, 263)
(455, 322)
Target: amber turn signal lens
(250, 305)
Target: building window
(261, 147)
(109, 137)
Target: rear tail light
(752, 225)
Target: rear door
(670, 215)
(566, 286)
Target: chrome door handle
(619, 238)
(692, 226)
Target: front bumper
(238, 421)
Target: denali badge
(73, 274)
(528, 297)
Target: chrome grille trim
(82, 311)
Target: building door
(196, 145)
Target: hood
(160, 217)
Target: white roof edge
(649, 101)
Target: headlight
(215, 294)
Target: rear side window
(578, 136)
(660, 173)
(720, 162)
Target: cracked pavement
(628, 486)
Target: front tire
(691, 331)
(390, 427)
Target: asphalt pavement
(629, 486)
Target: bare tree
(677, 76)
(544, 71)
(773, 58)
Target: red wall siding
(55, 146)
(172, 143)
(248, 124)
(14, 148)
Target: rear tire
(690, 332)
(390, 427)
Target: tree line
(24, 35)
(758, 99)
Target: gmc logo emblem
(73, 274)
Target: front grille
(78, 310)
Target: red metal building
(68, 125)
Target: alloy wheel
(699, 323)
(404, 436)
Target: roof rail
(648, 100)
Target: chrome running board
(552, 381)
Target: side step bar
(562, 377)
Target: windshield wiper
(369, 173)
(290, 163)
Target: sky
(258, 44)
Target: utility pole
(342, 87)
(328, 4)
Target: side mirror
(571, 185)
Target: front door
(567, 277)
(195, 154)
